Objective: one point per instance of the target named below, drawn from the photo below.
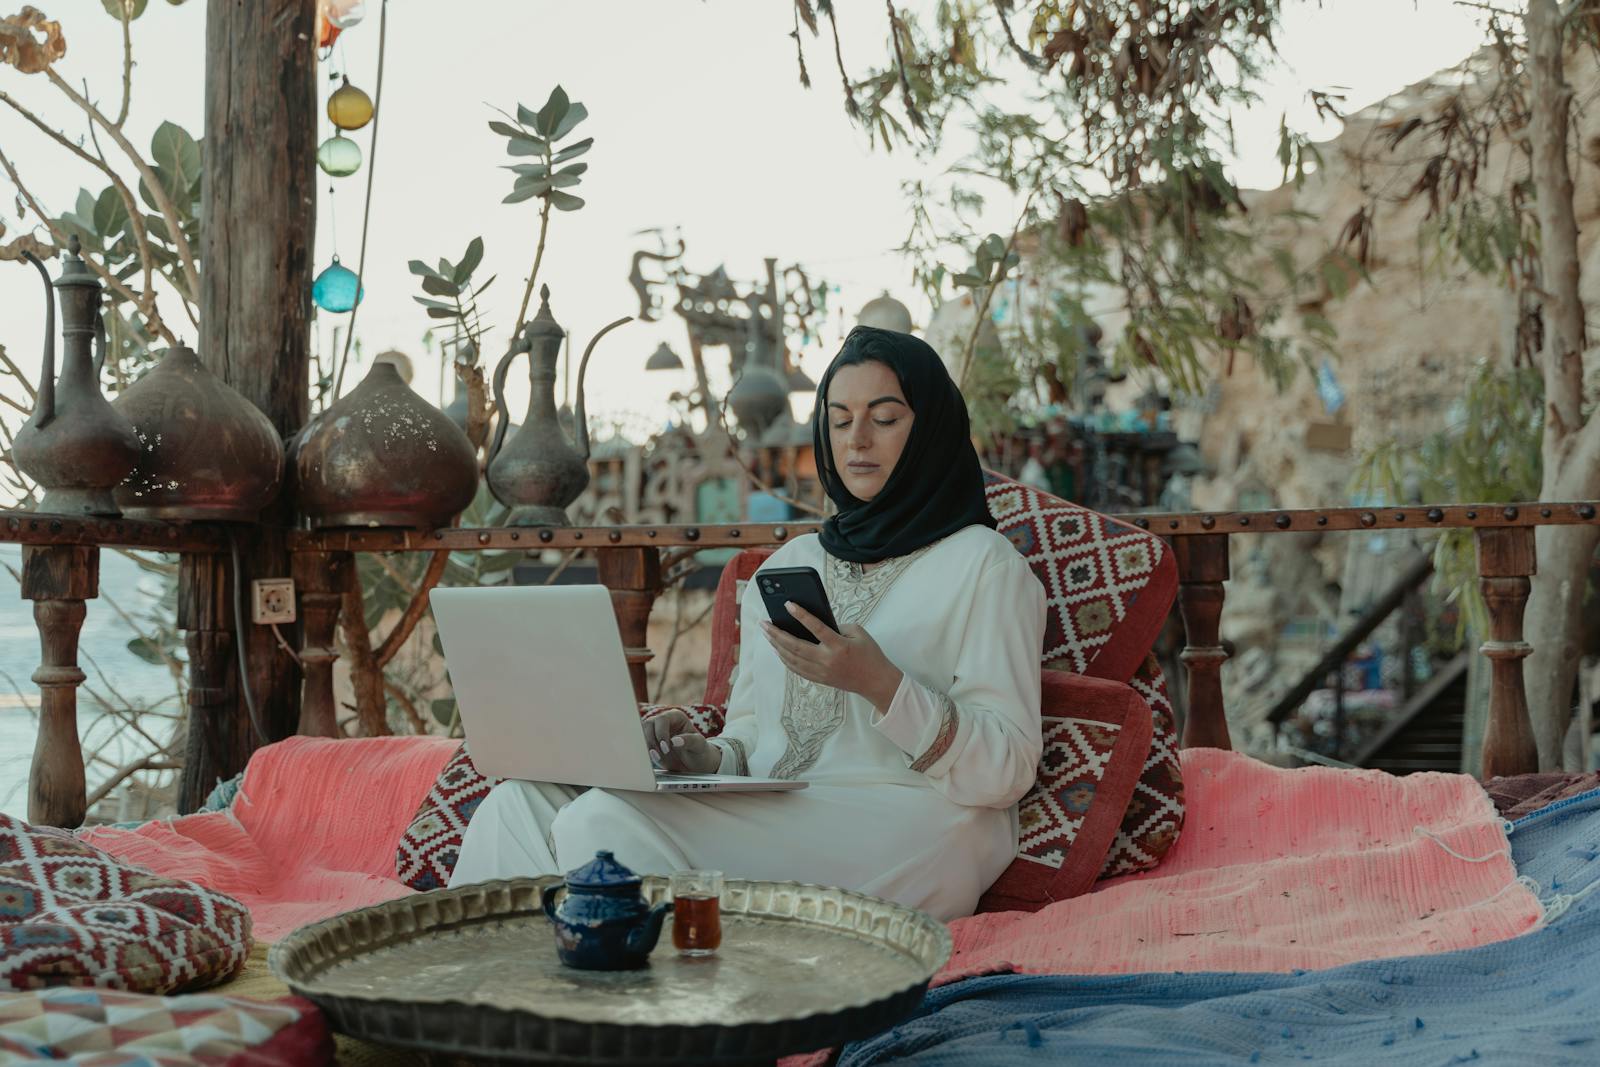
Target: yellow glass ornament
(349, 107)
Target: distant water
(104, 640)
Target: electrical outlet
(272, 600)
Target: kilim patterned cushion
(72, 915)
(426, 855)
(102, 1028)
(428, 849)
(1101, 577)
(1155, 814)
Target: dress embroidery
(735, 748)
(950, 723)
(812, 713)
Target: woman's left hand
(847, 659)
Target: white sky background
(699, 122)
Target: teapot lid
(602, 872)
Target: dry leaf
(20, 46)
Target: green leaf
(527, 116)
(422, 270)
(563, 181)
(85, 206)
(114, 8)
(554, 111)
(525, 146)
(575, 114)
(534, 186)
(178, 154)
(565, 201)
(469, 260)
(146, 650)
(440, 286)
(574, 170)
(519, 194)
(110, 213)
(573, 151)
(505, 129)
(479, 290)
(443, 709)
(440, 313)
(527, 170)
(435, 304)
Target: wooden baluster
(1506, 559)
(220, 737)
(1202, 568)
(58, 579)
(633, 575)
(319, 577)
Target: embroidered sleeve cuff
(921, 722)
(734, 758)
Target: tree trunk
(258, 214)
(1554, 610)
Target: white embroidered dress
(918, 806)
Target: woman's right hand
(678, 746)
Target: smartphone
(803, 585)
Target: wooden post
(320, 579)
(220, 736)
(633, 575)
(1506, 561)
(58, 580)
(258, 215)
(1202, 568)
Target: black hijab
(935, 489)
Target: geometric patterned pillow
(1096, 738)
(103, 1028)
(72, 915)
(1154, 818)
(426, 854)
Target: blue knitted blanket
(1531, 1000)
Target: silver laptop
(544, 692)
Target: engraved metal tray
(473, 972)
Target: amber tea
(696, 925)
(696, 912)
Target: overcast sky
(699, 123)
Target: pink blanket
(311, 833)
(1278, 870)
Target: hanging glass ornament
(349, 107)
(327, 33)
(339, 156)
(346, 13)
(337, 288)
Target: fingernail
(677, 742)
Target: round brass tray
(473, 972)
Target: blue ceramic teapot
(603, 923)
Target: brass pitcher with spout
(538, 473)
(75, 445)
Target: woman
(916, 725)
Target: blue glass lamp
(337, 288)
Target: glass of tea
(696, 912)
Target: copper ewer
(74, 445)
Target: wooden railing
(61, 564)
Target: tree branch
(147, 302)
(158, 192)
(60, 238)
(413, 613)
(127, 67)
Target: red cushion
(72, 915)
(1094, 751)
(428, 849)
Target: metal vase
(538, 473)
(383, 456)
(207, 453)
(75, 446)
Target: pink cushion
(72, 915)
